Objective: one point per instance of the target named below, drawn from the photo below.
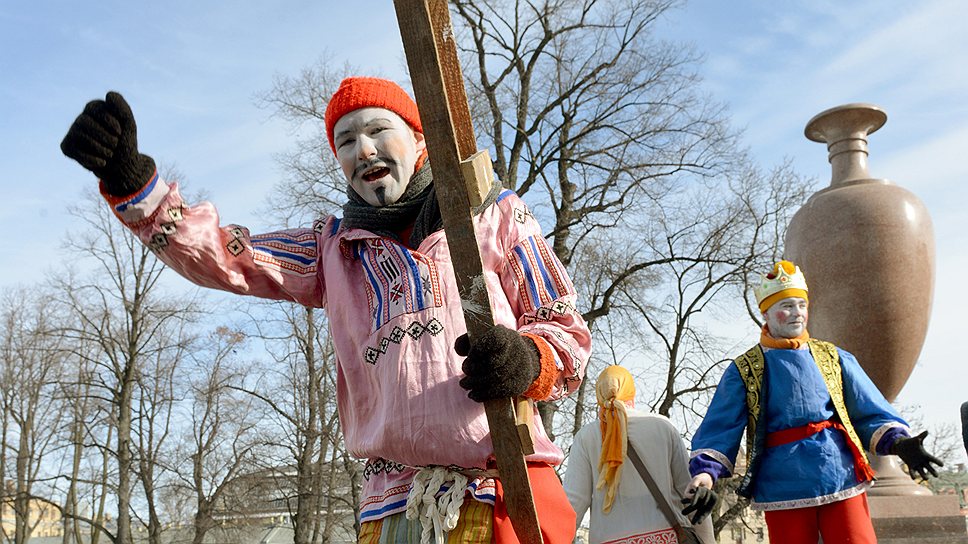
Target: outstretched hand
(501, 363)
(918, 460)
(104, 140)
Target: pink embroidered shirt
(394, 314)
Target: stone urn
(866, 247)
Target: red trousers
(555, 514)
(841, 522)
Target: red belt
(862, 468)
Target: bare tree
(301, 396)
(31, 361)
(224, 436)
(712, 245)
(120, 309)
(315, 185)
(582, 104)
(656, 208)
(599, 123)
(75, 389)
(155, 397)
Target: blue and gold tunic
(815, 470)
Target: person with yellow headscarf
(600, 476)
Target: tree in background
(315, 185)
(225, 436)
(603, 128)
(119, 309)
(724, 232)
(299, 390)
(155, 397)
(32, 360)
(80, 412)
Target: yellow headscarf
(614, 387)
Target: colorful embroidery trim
(538, 273)
(415, 330)
(662, 536)
(399, 281)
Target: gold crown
(785, 281)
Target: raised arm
(282, 265)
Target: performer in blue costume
(810, 413)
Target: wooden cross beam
(461, 176)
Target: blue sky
(191, 72)
(777, 64)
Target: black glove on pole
(702, 503)
(104, 140)
(499, 364)
(912, 452)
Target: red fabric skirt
(555, 514)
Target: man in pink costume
(408, 402)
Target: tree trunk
(22, 500)
(72, 527)
(305, 465)
(355, 487)
(579, 406)
(125, 466)
(331, 518)
(154, 523)
(4, 494)
(105, 466)
(204, 521)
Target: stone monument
(867, 247)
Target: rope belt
(439, 514)
(862, 468)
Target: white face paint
(378, 152)
(787, 318)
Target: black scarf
(417, 206)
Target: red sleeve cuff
(541, 387)
(115, 199)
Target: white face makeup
(787, 318)
(378, 152)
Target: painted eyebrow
(368, 123)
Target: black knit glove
(501, 363)
(912, 452)
(702, 502)
(104, 140)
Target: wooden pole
(428, 40)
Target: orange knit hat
(370, 92)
